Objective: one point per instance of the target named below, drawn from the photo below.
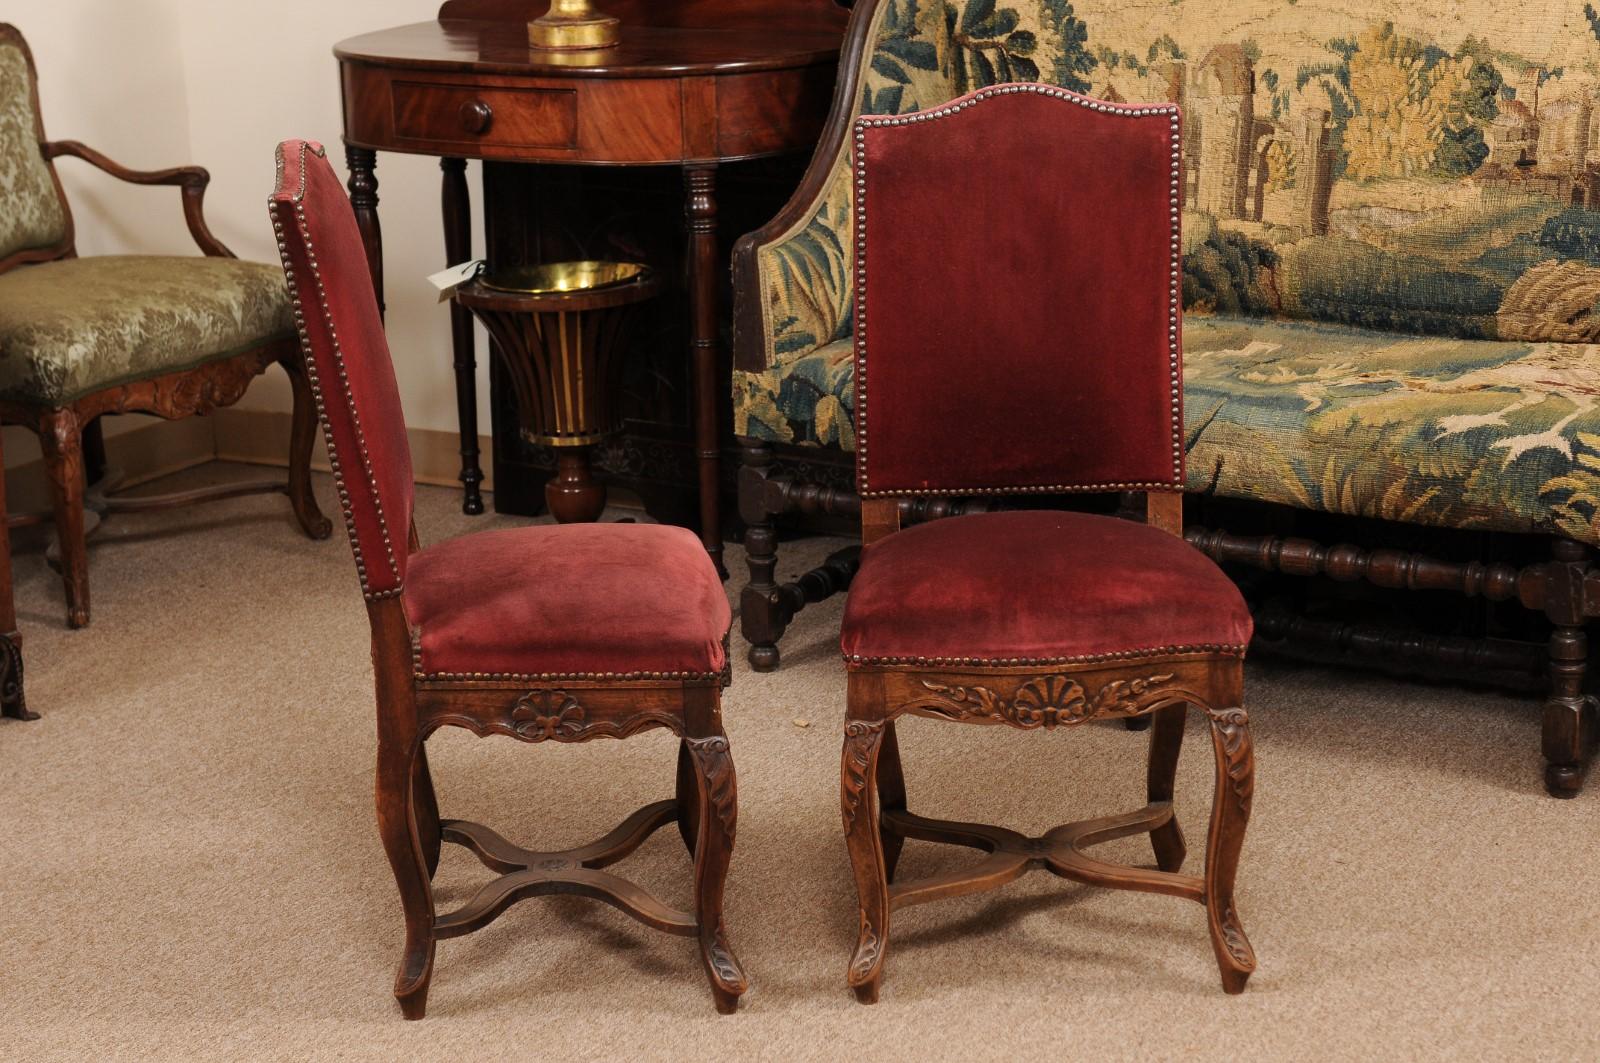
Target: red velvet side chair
(1023, 240)
(560, 634)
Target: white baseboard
(261, 437)
(257, 437)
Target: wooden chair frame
(1156, 681)
(1032, 697)
(175, 395)
(413, 703)
(560, 709)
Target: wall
(156, 83)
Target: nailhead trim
(1174, 337)
(558, 677)
(334, 461)
(1088, 658)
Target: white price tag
(448, 280)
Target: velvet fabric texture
(1030, 346)
(1035, 587)
(342, 334)
(568, 600)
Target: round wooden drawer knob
(476, 116)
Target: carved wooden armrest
(191, 179)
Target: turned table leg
(363, 187)
(457, 211)
(700, 210)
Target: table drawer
(467, 114)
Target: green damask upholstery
(79, 325)
(1417, 185)
(33, 216)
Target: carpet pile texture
(189, 866)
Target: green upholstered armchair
(1391, 275)
(164, 335)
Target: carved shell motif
(1047, 701)
(544, 714)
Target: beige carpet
(189, 866)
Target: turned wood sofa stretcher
(1565, 589)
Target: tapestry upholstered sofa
(1391, 271)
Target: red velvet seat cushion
(568, 600)
(1037, 587)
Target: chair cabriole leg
(425, 806)
(858, 796)
(398, 827)
(1166, 744)
(717, 821)
(302, 442)
(61, 438)
(891, 795)
(1230, 813)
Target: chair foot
(867, 992)
(1233, 981)
(728, 981)
(415, 975)
(727, 1003)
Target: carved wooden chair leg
(1166, 744)
(688, 797)
(398, 827)
(302, 442)
(61, 438)
(1230, 812)
(858, 784)
(717, 816)
(425, 807)
(891, 798)
(759, 619)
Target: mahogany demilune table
(694, 84)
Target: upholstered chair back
(1033, 346)
(351, 372)
(33, 214)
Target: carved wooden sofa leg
(1569, 713)
(1555, 588)
(766, 607)
(761, 620)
